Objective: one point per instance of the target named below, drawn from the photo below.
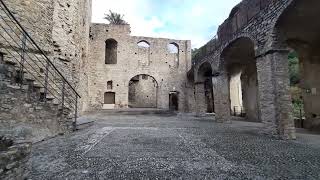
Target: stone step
(56, 102)
(9, 62)
(50, 97)
(138, 111)
(18, 69)
(83, 123)
(37, 85)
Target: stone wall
(21, 110)
(155, 61)
(70, 34)
(14, 155)
(61, 29)
(255, 20)
(310, 68)
(36, 16)
(143, 92)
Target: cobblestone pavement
(172, 147)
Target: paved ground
(174, 147)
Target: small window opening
(109, 85)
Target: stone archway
(298, 29)
(143, 92)
(204, 89)
(240, 66)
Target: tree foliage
(115, 18)
(294, 69)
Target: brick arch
(143, 95)
(230, 43)
(198, 69)
(146, 74)
(284, 28)
(278, 14)
(273, 40)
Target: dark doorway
(109, 98)
(174, 101)
(208, 91)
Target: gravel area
(173, 147)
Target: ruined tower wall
(72, 19)
(36, 16)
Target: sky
(195, 20)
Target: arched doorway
(205, 81)
(240, 65)
(298, 29)
(143, 92)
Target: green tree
(194, 51)
(115, 18)
(294, 69)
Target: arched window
(111, 51)
(109, 98)
(143, 44)
(109, 85)
(173, 48)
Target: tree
(115, 18)
(294, 69)
(194, 51)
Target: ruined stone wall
(310, 68)
(61, 29)
(132, 60)
(72, 19)
(14, 155)
(143, 93)
(21, 111)
(36, 16)
(250, 95)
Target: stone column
(274, 94)
(201, 107)
(221, 98)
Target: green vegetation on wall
(296, 91)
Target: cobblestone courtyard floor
(173, 147)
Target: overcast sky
(195, 20)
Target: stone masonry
(167, 69)
(273, 27)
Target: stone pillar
(274, 94)
(201, 107)
(221, 98)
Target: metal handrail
(34, 61)
(34, 43)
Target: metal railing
(233, 27)
(33, 64)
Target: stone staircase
(10, 75)
(23, 104)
